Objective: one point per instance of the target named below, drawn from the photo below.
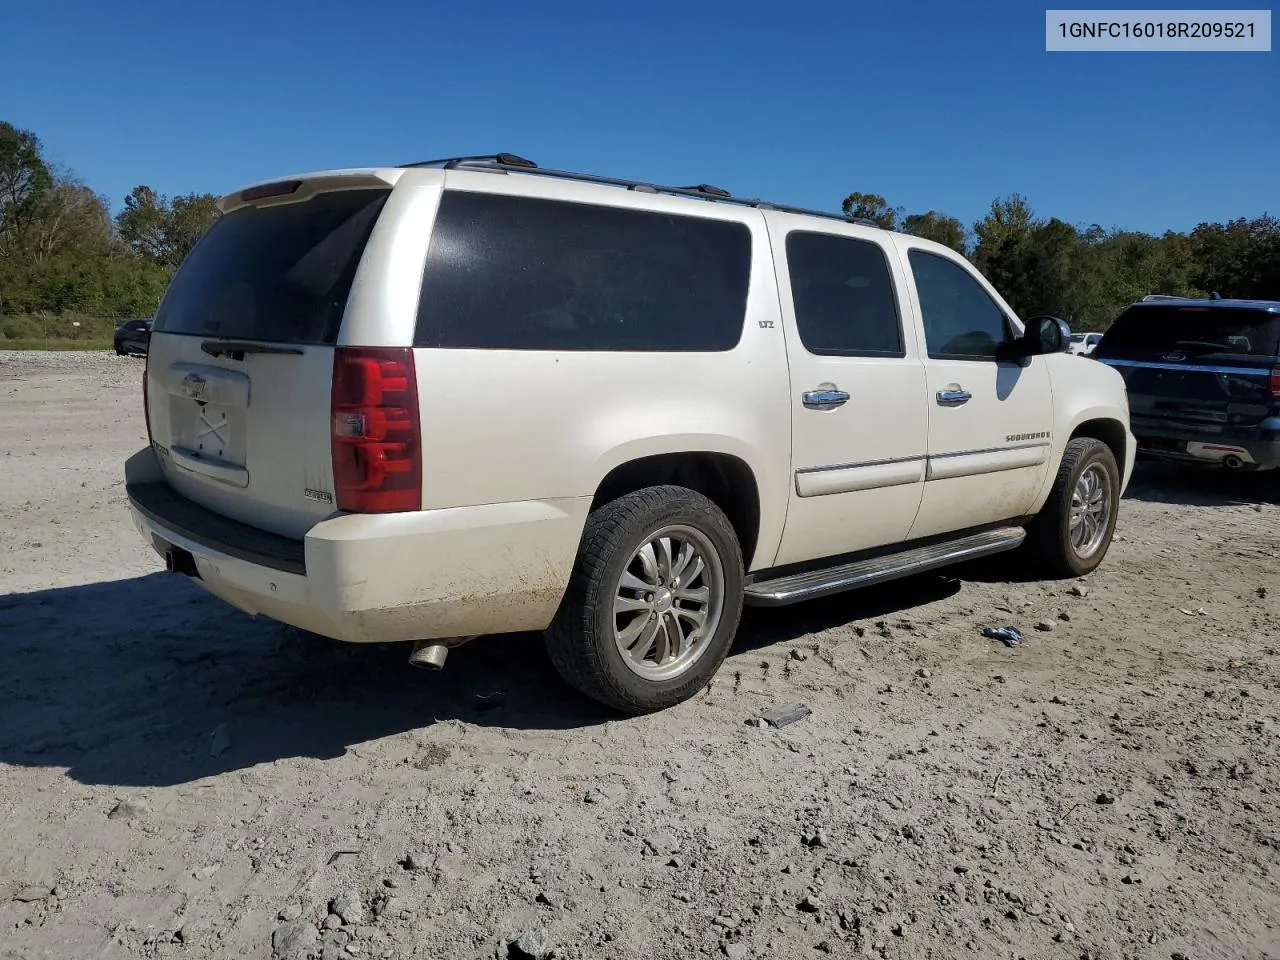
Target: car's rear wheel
(653, 602)
(1072, 532)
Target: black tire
(581, 640)
(1049, 534)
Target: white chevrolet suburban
(474, 396)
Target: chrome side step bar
(863, 573)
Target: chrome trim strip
(1190, 367)
(192, 461)
(975, 463)
(970, 453)
(201, 381)
(934, 456)
(890, 473)
(863, 463)
(896, 471)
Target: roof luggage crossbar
(511, 163)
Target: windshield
(1077, 338)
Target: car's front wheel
(1072, 532)
(653, 602)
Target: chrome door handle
(825, 399)
(954, 398)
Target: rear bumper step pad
(169, 510)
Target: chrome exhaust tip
(428, 655)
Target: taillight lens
(146, 403)
(1274, 382)
(377, 455)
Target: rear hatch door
(1198, 366)
(241, 358)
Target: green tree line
(63, 255)
(1087, 275)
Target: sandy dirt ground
(179, 780)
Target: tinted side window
(843, 296)
(961, 321)
(524, 273)
(281, 272)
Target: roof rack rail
(710, 191)
(500, 159)
(512, 163)
(805, 211)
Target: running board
(863, 573)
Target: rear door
(1200, 368)
(857, 391)
(240, 366)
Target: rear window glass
(280, 273)
(1196, 332)
(524, 273)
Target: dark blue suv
(1203, 378)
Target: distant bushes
(62, 326)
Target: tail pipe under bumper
(431, 654)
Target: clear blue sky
(934, 105)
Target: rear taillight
(377, 455)
(1274, 382)
(146, 405)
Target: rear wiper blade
(1202, 343)
(236, 349)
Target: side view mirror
(1042, 335)
(1046, 334)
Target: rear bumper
(1259, 445)
(464, 571)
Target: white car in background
(1083, 344)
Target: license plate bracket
(211, 435)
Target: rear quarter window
(524, 273)
(280, 272)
